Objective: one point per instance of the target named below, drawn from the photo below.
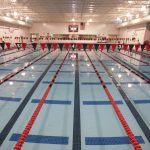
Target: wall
(137, 31)
(62, 28)
(147, 33)
(11, 30)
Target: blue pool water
(76, 89)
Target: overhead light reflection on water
(119, 75)
(129, 85)
(32, 67)
(11, 83)
(88, 65)
(112, 69)
(23, 73)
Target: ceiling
(101, 11)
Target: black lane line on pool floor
(133, 110)
(21, 107)
(130, 68)
(76, 121)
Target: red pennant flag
(24, 45)
(137, 46)
(125, 46)
(43, 45)
(67, 45)
(148, 46)
(79, 45)
(55, 45)
(8, 45)
(90, 46)
(102, 47)
(113, 46)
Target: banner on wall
(49, 46)
(8, 45)
(96, 46)
(131, 47)
(61, 45)
(73, 28)
(2, 45)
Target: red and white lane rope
(125, 125)
(29, 125)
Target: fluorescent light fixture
(129, 15)
(143, 8)
(15, 14)
(21, 22)
(130, 2)
(27, 18)
(73, 19)
(13, 1)
(90, 20)
(8, 19)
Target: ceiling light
(15, 14)
(73, 19)
(129, 15)
(88, 65)
(90, 9)
(130, 2)
(73, 5)
(143, 8)
(13, 1)
(27, 17)
(90, 20)
(8, 19)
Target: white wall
(147, 33)
(10, 30)
(137, 31)
(62, 28)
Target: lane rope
(146, 79)
(147, 63)
(125, 125)
(18, 70)
(29, 125)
